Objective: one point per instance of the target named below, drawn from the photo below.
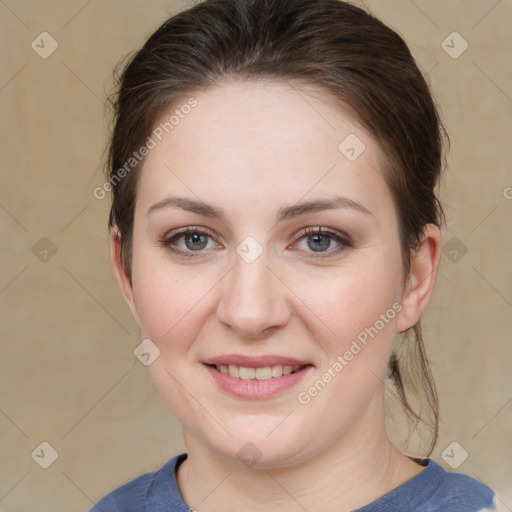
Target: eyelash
(343, 240)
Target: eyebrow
(288, 212)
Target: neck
(352, 472)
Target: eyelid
(190, 229)
(345, 241)
(313, 230)
(341, 238)
(169, 238)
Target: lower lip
(254, 388)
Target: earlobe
(421, 280)
(123, 280)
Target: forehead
(262, 138)
(276, 116)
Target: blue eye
(192, 241)
(195, 241)
(319, 241)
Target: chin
(254, 445)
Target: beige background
(68, 375)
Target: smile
(257, 383)
(261, 373)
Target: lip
(255, 389)
(255, 362)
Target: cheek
(352, 300)
(358, 311)
(169, 308)
(166, 296)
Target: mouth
(257, 373)
(256, 378)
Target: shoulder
(130, 497)
(459, 492)
(437, 490)
(137, 494)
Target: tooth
(234, 371)
(264, 373)
(247, 373)
(277, 370)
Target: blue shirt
(432, 490)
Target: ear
(116, 261)
(421, 279)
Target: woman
(274, 230)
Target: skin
(250, 149)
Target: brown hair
(329, 44)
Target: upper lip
(255, 362)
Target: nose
(254, 300)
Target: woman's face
(254, 171)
